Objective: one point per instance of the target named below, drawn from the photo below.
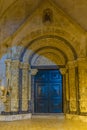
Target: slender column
(77, 89)
(72, 87)
(25, 89)
(82, 70)
(63, 72)
(67, 92)
(33, 73)
(8, 85)
(15, 84)
(8, 72)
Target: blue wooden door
(48, 91)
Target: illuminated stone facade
(54, 41)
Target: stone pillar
(8, 72)
(63, 72)
(67, 91)
(8, 85)
(15, 85)
(31, 95)
(82, 69)
(25, 86)
(72, 87)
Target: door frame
(33, 83)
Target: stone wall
(56, 40)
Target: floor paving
(44, 123)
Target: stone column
(15, 85)
(67, 92)
(72, 87)
(63, 72)
(31, 95)
(8, 85)
(25, 86)
(8, 72)
(82, 69)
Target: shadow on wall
(15, 53)
(29, 57)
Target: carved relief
(6, 98)
(15, 85)
(47, 16)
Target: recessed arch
(55, 59)
(44, 48)
(48, 36)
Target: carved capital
(72, 64)
(25, 66)
(63, 70)
(34, 71)
(15, 63)
(7, 61)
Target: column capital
(34, 71)
(8, 61)
(25, 66)
(72, 64)
(15, 63)
(63, 70)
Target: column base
(76, 117)
(15, 117)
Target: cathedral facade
(44, 66)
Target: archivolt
(50, 36)
(47, 47)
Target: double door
(48, 92)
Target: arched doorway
(42, 53)
(48, 91)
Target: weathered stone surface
(14, 85)
(25, 86)
(56, 40)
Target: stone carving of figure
(5, 97)
(47, 16)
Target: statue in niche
(47, 16)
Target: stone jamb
(15, 64)
(25, 87)
(33, 73)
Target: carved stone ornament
(5, 97)
(47, 16)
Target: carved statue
(5, 97)
(47, 16)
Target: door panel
(41, 106)
(55, 90)
(41, 90)
(48, 91)
(55, 97)
(41, 98)
(55, 106)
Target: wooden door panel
(42, 106)
(48, 91)
(41, 98)
(54, 75)
(55, 90)
(41, 91)
(55, 106)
